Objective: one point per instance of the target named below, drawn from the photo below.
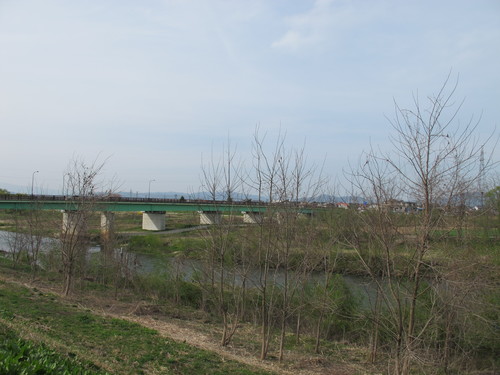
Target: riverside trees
(283, 178)
(27, 238)
(224, 263)
(434, 161)
(421, 283)
(83, 185)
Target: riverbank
(36, 311)
(261, 294)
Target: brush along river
(192, 270)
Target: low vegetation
(90, 344)
(326, 319)
(18, 356)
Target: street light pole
(64, 184)
(64, 190)
(33, 181)
(149, 188)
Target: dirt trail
(186, 332)
(182, 331)
(195, 338)
(175, 331)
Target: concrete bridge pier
(306, 215)
(107, 224)
(153, 220)
(210, 217)
(250, 217)
(73, 223)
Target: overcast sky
(153, 85)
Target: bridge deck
(116, 204)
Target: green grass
(147, 244)
(116, 345)
(187, 244)
(18, 356)
(164, 246)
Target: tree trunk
(282, 336)
(318, 333)
(297, 329)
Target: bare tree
(231, 171)
(212, 176)
(83, 186)
(17, 240)
(37, 231)
(284, 179)
(263, 181)
(434, 162)
(221, 266)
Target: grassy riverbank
(186, 288)
(34, 321)
(99, 332)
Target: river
(189, 268)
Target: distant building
(343, 205)
(396, 205)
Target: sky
(153, 87)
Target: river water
(188, 269)
(6, 238)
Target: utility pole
(149, 188)
(33, 181)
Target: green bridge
(153, 210)
(121, 206)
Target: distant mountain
(177, 195)
(326, 198)
(18, 189)
(323, 198)
(168, 195)
(471, 199)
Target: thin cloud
(308, 28)
(175, 75)
(326, 22)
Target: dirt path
(195, 338)
(187, 332)
(175, 331)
